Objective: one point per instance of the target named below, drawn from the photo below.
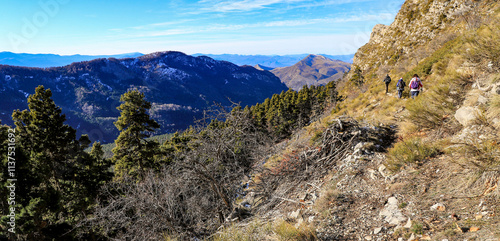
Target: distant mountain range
(312, 70)
(272, 61)
(52, 60)
(179, 86)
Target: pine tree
(58, 188)
(134, 154)
(304, 106)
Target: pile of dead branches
(303, 171)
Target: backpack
(387, 79)
(415, 83)
(401, 84)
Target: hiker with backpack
(401, 87)
(415, 86)
(387, 81)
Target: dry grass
(493, 111)
(407, 128)
(414, 150)
(259, 230)
(435, 107)
(326, 199)
(288, 232)
(483, 154)
(253, 231)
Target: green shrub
(417, 228)
(357, 77)
(403, 205)
(413, 150)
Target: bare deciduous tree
(193, 195)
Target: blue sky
(195, 26)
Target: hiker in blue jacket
(401, 87)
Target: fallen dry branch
(296, 171)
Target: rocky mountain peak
(312, 70)
(416, 24)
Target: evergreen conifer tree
(59, 179)
(134, 154)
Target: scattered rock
(408, 224)
(412, 237)
(368, 237)
(425, 237)
(299, 222)
(358, 149)
(479, 217)
(482, 100)
(474, 229)
(382, 169)
(295, 214)
(438, 207)
(392, 213)
(373, 174)
(377, 230)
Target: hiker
(387, 81)
(415, 86)
(401, 87)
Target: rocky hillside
(312, 70)
(179, 86)
(420, 28)
(423, 169)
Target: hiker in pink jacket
(415, 86)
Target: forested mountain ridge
(179, 86)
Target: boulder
(466, 115)
(391, 212)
